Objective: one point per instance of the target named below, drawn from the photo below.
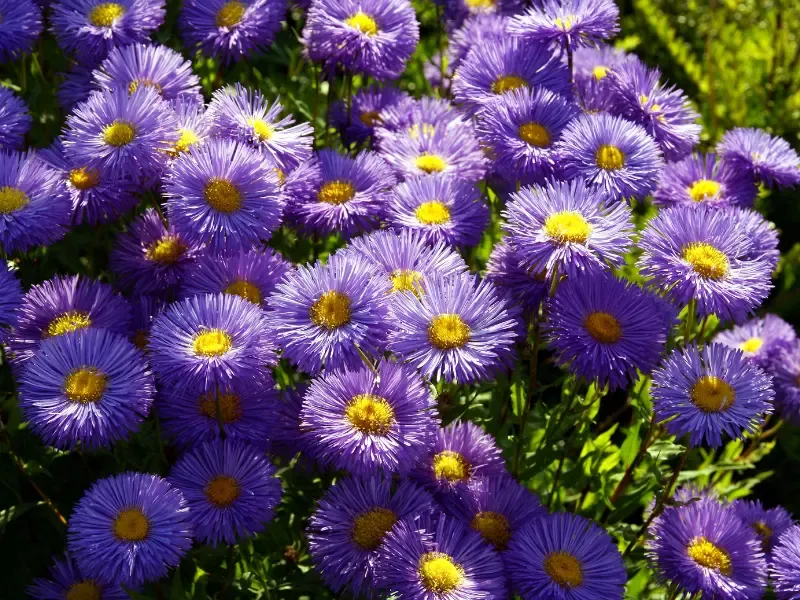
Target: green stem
(690, 310)
(532, 385)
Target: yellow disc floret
(332, 310)
(451, 466)
(69, 321)
(609, 158)
(85, 385)
(432, 213)
(105, 13)
(222, 491)
(603, 326)
(712, 394)
(369, 528)
(706, 554)
(364, 23)
(83, 178)
(222, 195)
(230, 14)
(119, 133)
(439, 573)
(508, 83)
(12, 199)
(564, 569)
(703, 189)
(535, 135)
(212, 342)
(448, 331)
(493, 527)
(370, 414)
(567, 226)
(336, 192)
(131, 525)
(430, 163)
(706, 260)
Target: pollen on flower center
(712, 394)
(603, 326)
(370, 118)
(85, 385)
(105, 13)
(703, 189)
(764, 532)
(230, 14)
(222, 195)
(508, 83)
(752, 345)
(369, 528)
(246, 290)
(166, 251)
(706, 260)
(222, 491)
(535, 135)
(134, 85)
(448, 331)
(426, 129)
(262, 130)
(600, 71)
(609, 158)
(430, 163)
(12, 199)
(708, 555)
(480, 3)
(83, 178)
(66, 322)
(84, 590)
(332, 310)
(336, 192)
(131, 525)
(119, 133)
(364, 23)
(187, 140)
(432, 213)
(493, 527)
(565, 23)
(451, 466)
(567, 226)
(405, 280)
(439, 573)
(564, 569)
(370, 414)
(212, 342)
(230, 408)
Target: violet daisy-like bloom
(223, 194)
(760, 339)
(348, 529)
(91, 388)
(458, 12)
(10, 299)
(322, 314)
(497, 67)
(34, 204)
(705, 392)
(127, 134)
(439, 557)
(145, 310)
(193, 125)
(20, 27)
(231, 29)
(334, 193)
(701, 254)
(442, 208)
(783, 572)
(230, 490)
(246, 116)
(371, 37)
(520, 130)
(705, 547)
(368, 422)
(785, 370)
(565, 557)
(701, 178)
(567, 24)
(91, 28)
(458, 328)
(251, 274)
(607, 330)
(591, 66)
(151, 258)
(14, 120)
(477, 29)
(365, 112)
(770, 160)
(411, 116)
(768, 523)
(763, 235)
(523, 288)
(66, 581)
(129, 528)
(617, 156)
(567, 228)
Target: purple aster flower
(566, 228)
(496, 67)
(14, 120)
(411, 116)
(122, 133)
(371, 37)
(479, 28)
(251, 274)
(760, 339)
(770, 160)
(154, 66)
(365, 112)
(520, 130)
(323, 314)
(145, 310)
(90, 29)
(10, 299)
(783, 570)
(705, 392)
(700, 178)
(231, 30)
(611, 153)
(64, 304)
(230, 489)
(569, 24)
(90, 387)
(768, 523)
(595, 62)
(193, 125)
(333, 193)
(458, 328)
(521, 287)
(439, 557)
(211, 340)
(762, 234)
(348, 529)
(34, 205)
(607, 330)
(246, 116)
(565, 557)
(223, 194)
(705, 547)
(20, 27)
(785, 370)
(67, 581)
(76, 86)
(151, 258)
(701, 254)
(457, 12)
(129, 528)
(367, 422)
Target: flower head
(10, 299)
(194, 126)
(785, 370)
(523, 288)
(783, 572)
(67, 581)
(567, 23)
(411, 116)
(477, 29)
(760, 339)
(702, 179)
(768, 523)
(458, 13)
(366, 110)
(770, 160)
(20, 27)
(763, 235)
(14, 120)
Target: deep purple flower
(568, 24)
(20, 27)
(365, 112)
(10, 299)
(760, 339)
(523, 288)
(770, 160)
(67, 581)
(701, 178)
(477, 29)
(14, 119)
(768, 523)
(783, 572)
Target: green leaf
(519, 392)
(9, 514)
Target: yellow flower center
(448, 331)
(262, 130)
(230, 408)
(703, 189)
(405, 280)
(131, 525)
(712, 394)
(451, 466)
(12, 199)
(370, 414)
(535, 135)
(230, 14)
(332, 310)
(567, 226)
(708, 555)
(439, 573)
(565, 23)
(600, 71)
(118, 134)
(336, 192)
(187, 140)
(603, 327)
(430, 163)
(432, 213)
(134, 85)
(364, 23)
(281, 176)
(213, 342)
(84, 590)
(609, 158)
(706, 260)
(752, 345)
(222, 195)
(763, 531)
(69, 321)
(83, 178)
(508, 83)
(480, 4)
(370, 118)
(246, 290)
(222, 491)
(493, 527)
(166, 251)
(85, 385)
(426, 129)
(140, 339)
(564, 569)
(371, 527)
(105, 13)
